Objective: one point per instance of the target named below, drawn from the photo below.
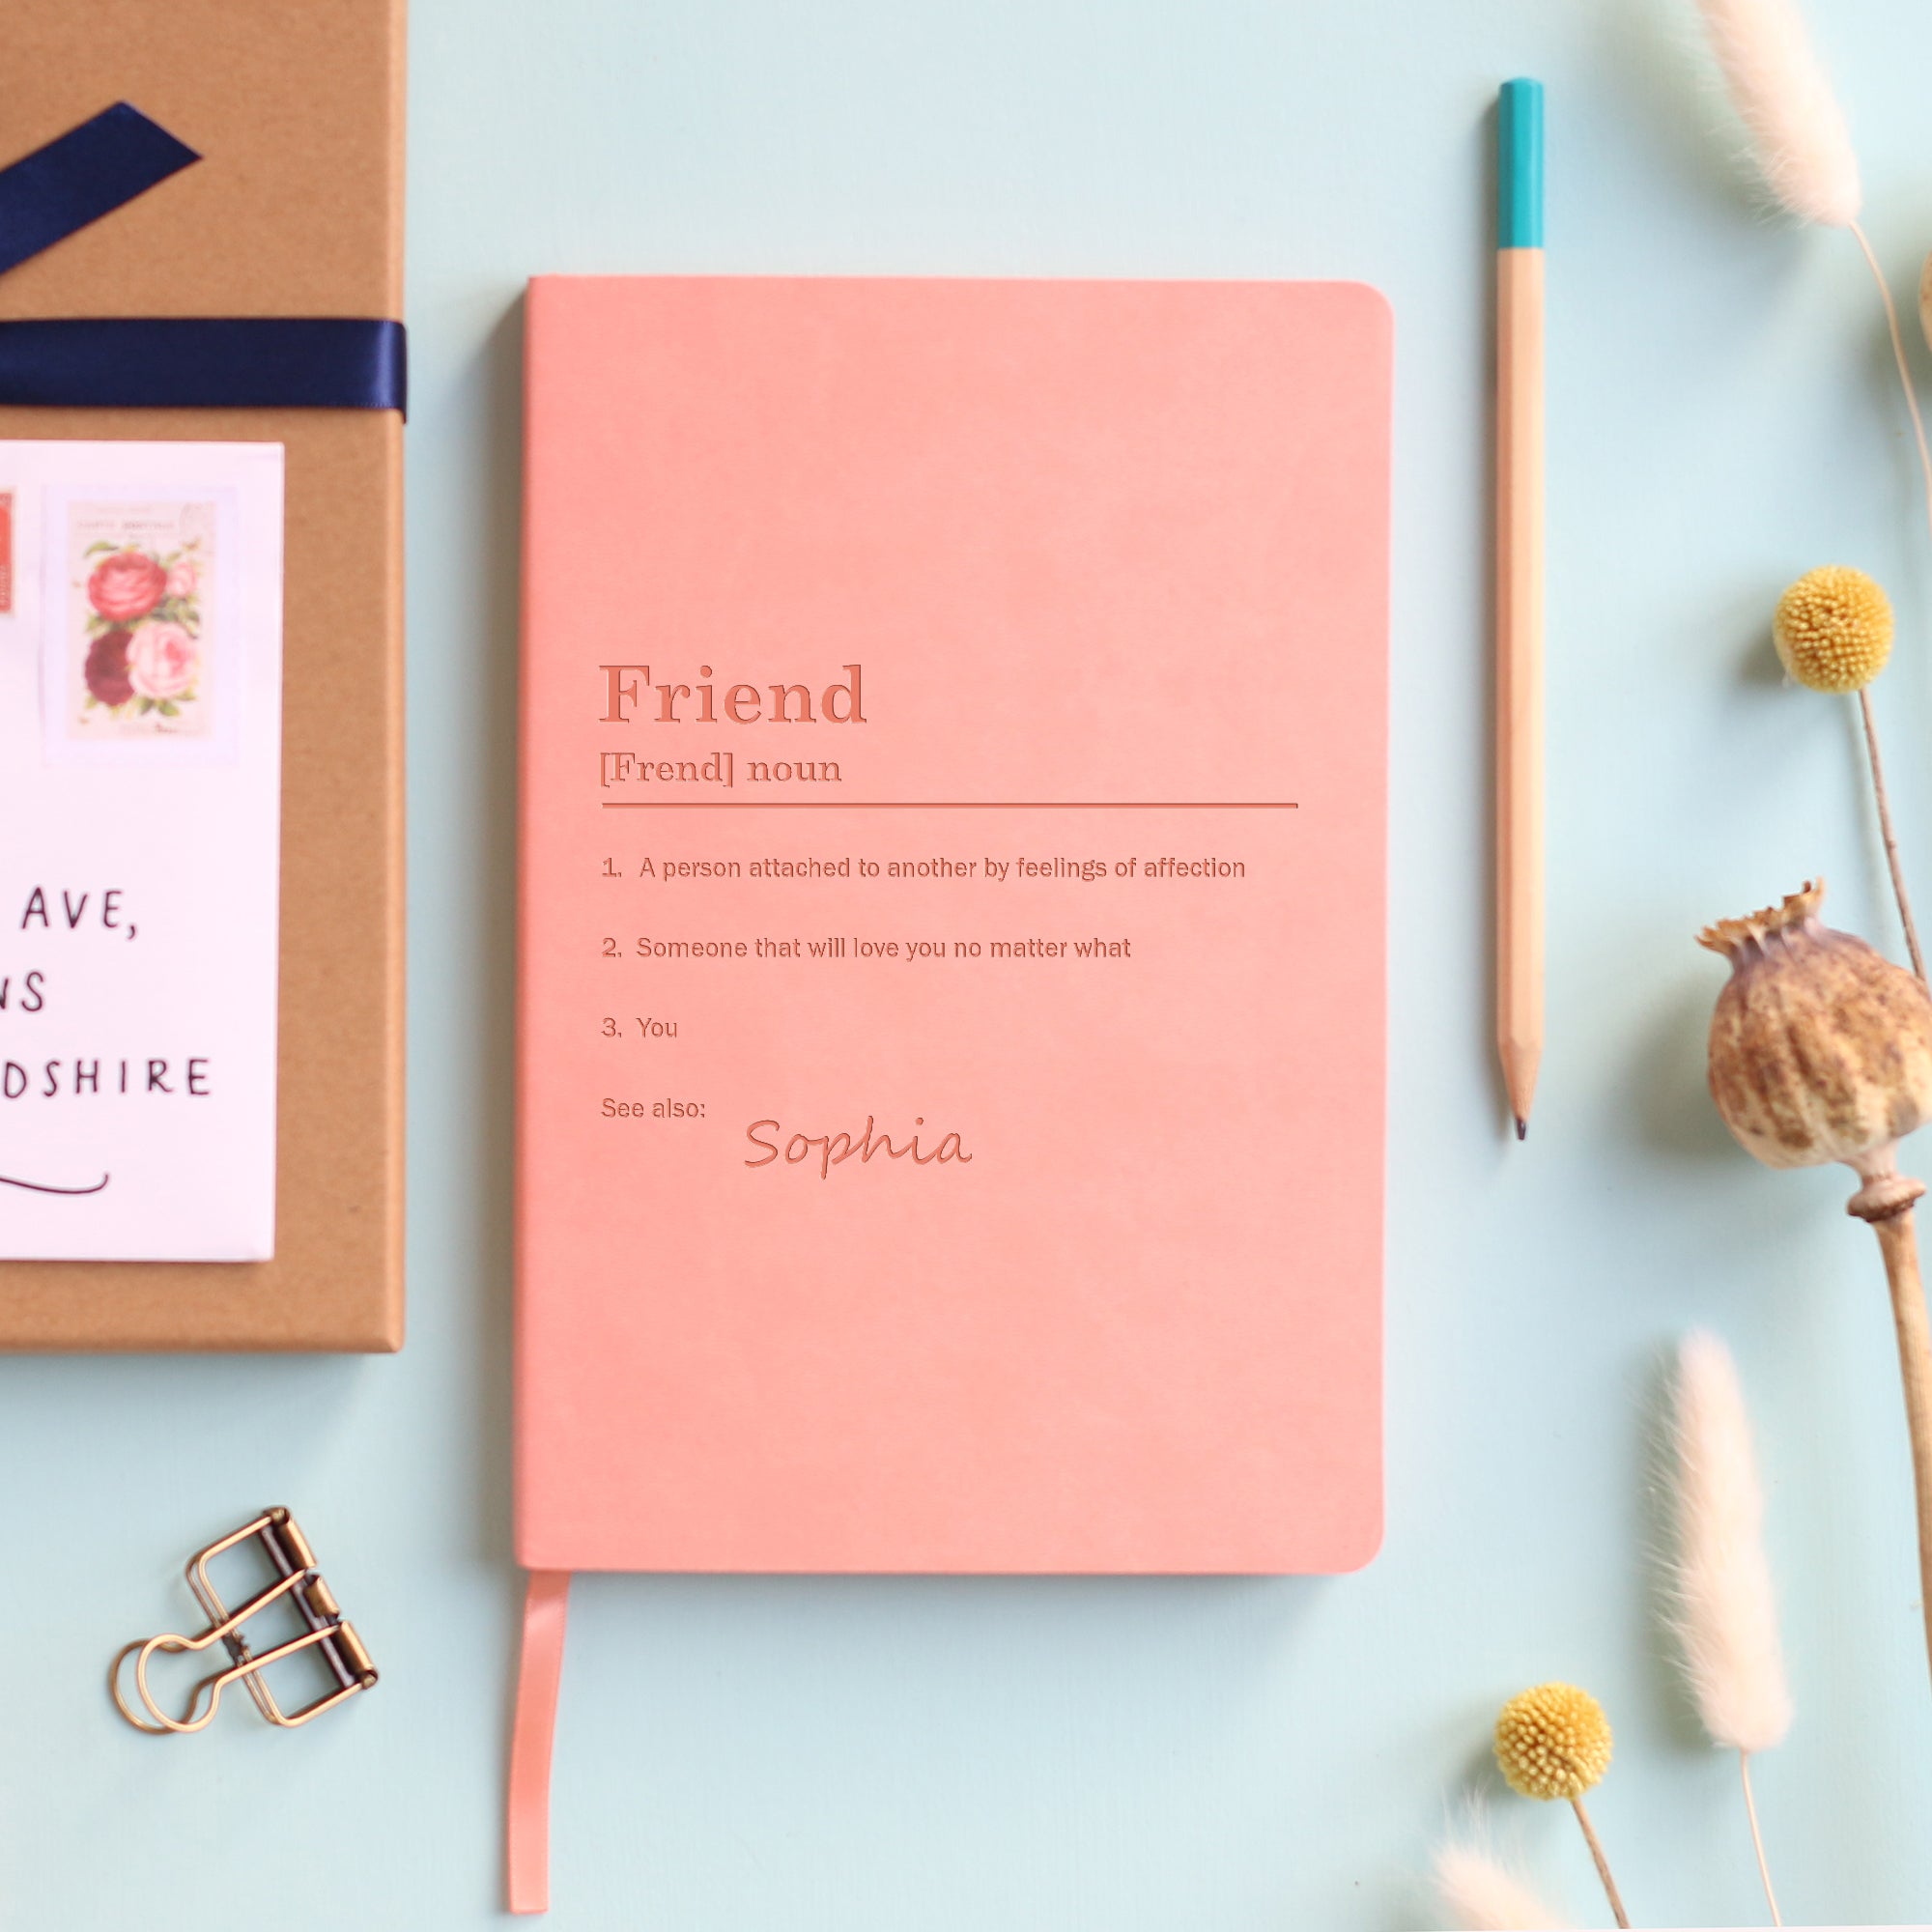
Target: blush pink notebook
(950, 1048)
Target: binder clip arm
(301, 1582)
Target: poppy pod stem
(1886, 1203)
(1821, 1051)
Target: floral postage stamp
(140, 629)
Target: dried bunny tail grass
(1479, 1893)
(1726, 1603)
(1904, 369)
(1802, 148)
(1784, 98)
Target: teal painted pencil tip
(1520, 165)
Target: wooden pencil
(1519, 592)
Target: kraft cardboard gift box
(295, 208)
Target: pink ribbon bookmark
(545, 1616)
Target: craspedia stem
(1553, 1741)
(1887, 833)
(1833, 630)
(1595, 1846)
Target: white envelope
(140, 793)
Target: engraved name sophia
(825, 1151)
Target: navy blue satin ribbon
(260, 362)
(80, 175)
(318, 362)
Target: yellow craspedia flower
(1553, 1741)
(1833, 628)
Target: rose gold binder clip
(298, 1582)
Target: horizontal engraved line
(949, 805)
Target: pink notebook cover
(951, 1047)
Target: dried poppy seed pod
(1820, 1049)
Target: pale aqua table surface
(933, 1756)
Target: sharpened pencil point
(1522, 1128)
